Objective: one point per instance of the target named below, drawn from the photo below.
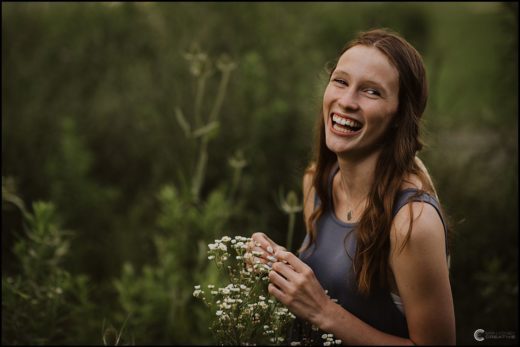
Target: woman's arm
(421, 275)
(308, 194)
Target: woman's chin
(337, 147)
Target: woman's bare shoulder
(412, 181)
(308, 177)
(308, 190)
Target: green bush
(44, 304)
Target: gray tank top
(330, 257)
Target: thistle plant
(203, 130)
(291, 207)
(243, 311)
(237, 163)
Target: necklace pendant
(349, 215)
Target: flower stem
(290, 231)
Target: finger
(277, 293)
(298, 265)
(261, 254)
(285, 270)
(263, 241)
(278, 280)
(255, 247)
(280, 248)
(252, 258)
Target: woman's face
(360, 101)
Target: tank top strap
(402, 199)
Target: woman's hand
(294, 284)
(262, 250)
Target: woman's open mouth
(345, 125)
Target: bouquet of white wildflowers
(244, 313)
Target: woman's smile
(343, 125)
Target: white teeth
(342, 130)
(343, 121)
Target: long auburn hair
(399, 148)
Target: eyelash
(371, 91)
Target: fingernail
(270, 249)
(271, 258)
(270, 264)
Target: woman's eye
(372, 91)
(340, 81)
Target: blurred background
(134, 134)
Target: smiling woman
(385, 266)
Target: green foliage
(158, 299)
(43, 304)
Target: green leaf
(182, 122)
(209, 130)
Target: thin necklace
(349, 211)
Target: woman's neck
(357, 175)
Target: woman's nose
(349, 100)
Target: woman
(369, 271)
